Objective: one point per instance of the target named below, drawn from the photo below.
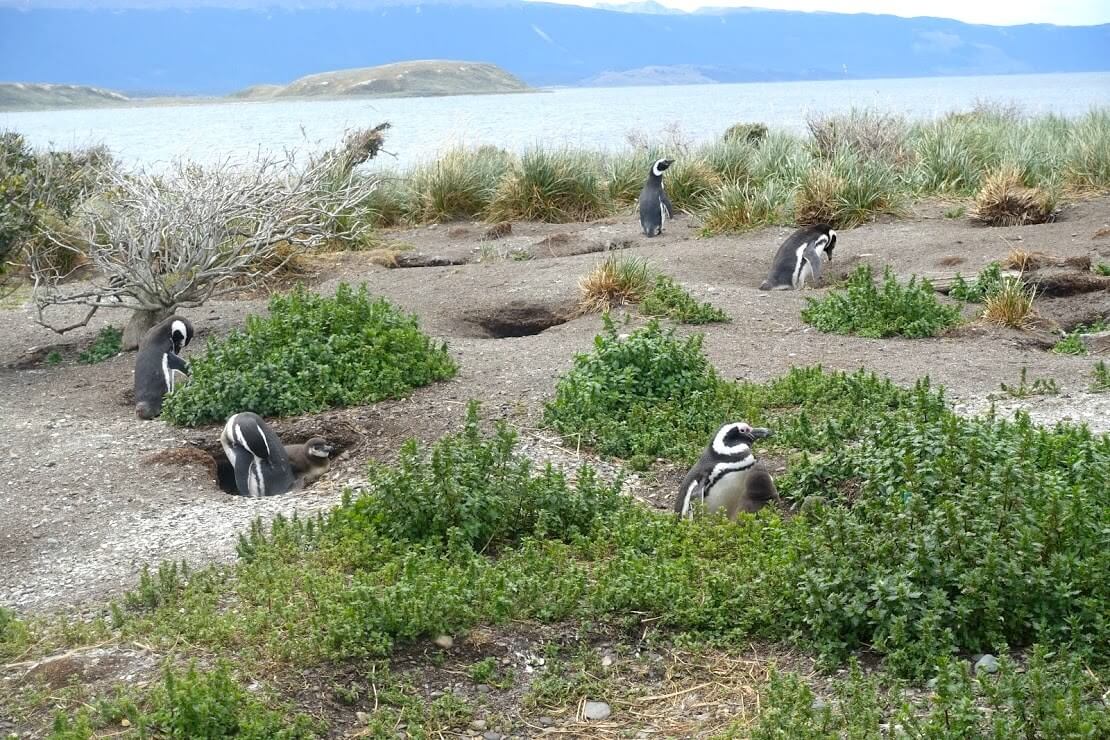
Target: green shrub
(1025, 389)
(553, 186)
(1102, 268)
(1100, 382)
(861, 308)
(1070, 345)
(108, 344)
(18, 209)
(309, 354)
(988, 281)
(1051, 697)
(668, 298)
(750, 133)
(477, 490)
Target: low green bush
(863, 309)
(1100, 378)
(668, 298)
(107, 344)
(311, 353)
(988, 281)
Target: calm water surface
(598, 118)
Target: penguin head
(181, 333)
(830, 232)
(660, 165)
(319, 448)
(736, 438)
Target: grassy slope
(31, 96)
(427, 77)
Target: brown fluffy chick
(310, 460)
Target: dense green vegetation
(988, 281)
(311, 353)
(668, 298)
(619, 281)
(107, 344)
(863, 308)
(849, 169)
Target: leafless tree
(157, 242)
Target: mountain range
(214, 50)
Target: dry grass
(1011, 305)
(499, 230)
(1004, 200)
(1023, 260)
(618, 281)
(818, 199)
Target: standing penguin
(799, 258)
(655, 206)
(727, 476)
(310, 460)
(159, 356)
(261, 463)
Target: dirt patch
(428, 260)
(499, 230)
(1063, 284)
(951, 261)
(519, 319)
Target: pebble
(491, 735)
(597, 710)
(478, 724)
(482, 688)
(445, 641)
(986, 664)
(546, 721)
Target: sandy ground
(81, 511)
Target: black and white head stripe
(659, 166)
(180, 334)
(733, 439)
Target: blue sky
(1010, 12)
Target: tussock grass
(1024, 259)
(847, 192)
(873, 136)
(617, 281)
(738, 207)
(1087, 154)
(689, 182)
(551, 186)
(750, 133)
(1004, 200)
(459, 184)
(1011, 304)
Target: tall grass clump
(871, 135)
(1011, 304)
(847, 191)
(864, 309)
(458, 184)
(1087, 157)
(689, 182)
(625, 175)
(1005, 200)
(738, 207)
(311, 353)
(552, 186)
(749, 133)
(616, 281)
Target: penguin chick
(800, 258)
(727, 476)
(655, 206)
(157, 360)
(259, 459)
(310, 460)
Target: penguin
(727, 475)
(159, 356)
(260, 461)
(655, 206)
(799, 258)
(310, 460)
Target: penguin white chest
(726, 492)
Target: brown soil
(82, 508)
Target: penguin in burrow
(800, 258)
(310, 460)
(727, 476)
(259, 459)
(655, 206)
(158, 358)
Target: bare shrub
(868, 134)
(159, 242)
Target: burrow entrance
(518, 319)
(205, 450)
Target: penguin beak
(668, 162)
(762, 432)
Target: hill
(32, 96)
(427, 77)
(154, 50)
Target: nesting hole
(518, 319)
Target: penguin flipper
(668, 207)
(691, 493)
(814, 261)
(176, 362)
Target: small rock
(491, 735)
(478, 724)
(546, 721)
(482, 688)
(818, 704)
(931, 684)
(987, 664)
(596, 711)
(607, 661)
(362, 717)
(445, 641)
